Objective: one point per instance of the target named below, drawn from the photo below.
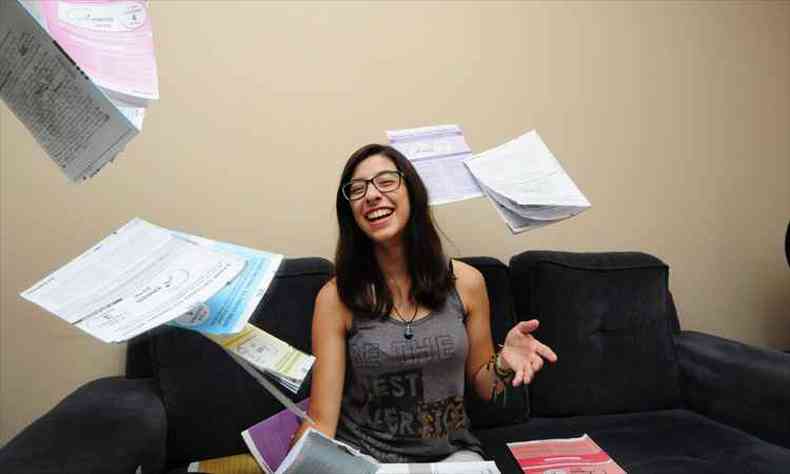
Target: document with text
(526, 183)
(268, 354)
(228, 311)
(112, 41)
(78, 75)
(139, 277)
(438, 155)
(563, 455)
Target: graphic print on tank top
(407, 395)
(395, 401)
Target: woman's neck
(391, 258)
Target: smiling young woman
(400, 328)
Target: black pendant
(407, 332)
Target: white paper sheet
(316, 453)
(75, 123)
(437, 154)
(526, 183)
(479, 467)
(136, 279)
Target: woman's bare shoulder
(328, 304)
(467, 277)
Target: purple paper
(269, 440)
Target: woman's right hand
(299, 432)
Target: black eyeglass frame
(346, 187)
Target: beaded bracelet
(505, 377)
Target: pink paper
(571, 455)
(112, 41)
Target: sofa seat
(660, 442)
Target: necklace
(407, 332)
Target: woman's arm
(522, 353)
(331, 321)
(472, 288)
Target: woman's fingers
(536, 362)
(523, 375)
(545, 351)
(526, 327)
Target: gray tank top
(403, 399)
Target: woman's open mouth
(378, 214)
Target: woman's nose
(372, 193)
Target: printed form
(526, 183)
(138, 278)
(267, 353)
(229, 310)
(74, 122)
(438, 155)
(111, 40)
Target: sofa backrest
(210, 399)
(610, 319)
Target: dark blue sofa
(658, 399)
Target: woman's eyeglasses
(385, 182)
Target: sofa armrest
(737, 384)
(110, 425)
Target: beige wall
(673, 118)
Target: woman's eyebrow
(374, 174)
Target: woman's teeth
(378, 214)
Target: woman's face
(380, 215)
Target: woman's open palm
(523, 353)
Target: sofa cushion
(659, 442)
(209, 398)
(607, 317)
(108, 426)
(485, 414)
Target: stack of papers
(78, 75)
(438, 155)
(143, 276)
(526, 183)
(268, 354)
(139, 277)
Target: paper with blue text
(229, 310)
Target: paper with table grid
(438, 154)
